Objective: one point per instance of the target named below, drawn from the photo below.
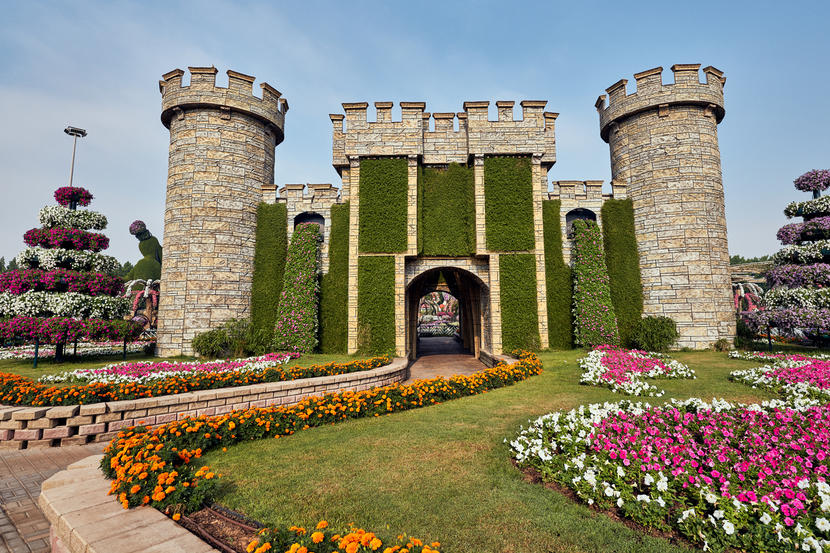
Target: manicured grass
(444, 472)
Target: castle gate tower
(664, 147)
(222, 144)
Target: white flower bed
(48, 259)
(623, 370)
(716, 473)
(797, 297)
(63, 304)
(57, 216)
(85, 349)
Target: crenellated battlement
(443, 137)
(652, 93)
(239, 97)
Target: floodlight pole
(74, 132)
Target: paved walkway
(23, 528)
(442, 357)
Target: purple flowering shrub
(796, 233)
(799, 276)
(18, 281)
(594, 320)
(66, 238)
(815, 180)
(296, 323)
(57, 330)
(65, 195)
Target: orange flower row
(296, 539)
(153, 466)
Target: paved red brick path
(23, 528)
(442, 357)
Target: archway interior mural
(447, 302)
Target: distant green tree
(125, 269)
(2, 264)
(739, 259)
(12, 266)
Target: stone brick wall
(22, 427)
(311, 198)
(439, 139)
(664, 147)
(222, 144)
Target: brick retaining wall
(23, 427)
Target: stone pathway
(23, 528)
(442, 357)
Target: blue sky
(96, 65)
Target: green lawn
(444, 473)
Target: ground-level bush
(654, 333)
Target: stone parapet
(202, 92)
(84, 519)
(302, 199)
(22, 427)
(441, 138)
(652, 93)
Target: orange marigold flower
(322, 524)
(135, 489)
(317, 537)
(177, 516)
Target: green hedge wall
(594, 320)
(446, 211)
(334, 285)
(269, 264)
(508, 203)
(376, 305)
(383, 205)
(623, 264)
(558, 279)
(519, 316)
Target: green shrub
(508, 203)
(296, 326)
(446, 211)
(269, 264)
(235, 338)
(744, 336)
(721, 344)
(623, 262)
(654, 334)
(558, 280)
(383, 211)
(376, 305)
(594, 319)
(519, 314)
(334, 285)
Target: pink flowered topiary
(65, 195)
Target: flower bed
(85, 349)
(751, 478)
(796, 317)
(792, 376)
(321, 539)
(155, 466)
(19, 390)
(142, 372)
(57, 330)
(59, 216)
(68, 238)
(796, 276)
(623, 370)
(65, 304)
(60, 280)
(59, 258)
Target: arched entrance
(473, 300)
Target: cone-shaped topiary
(65, 289)
(296, 324)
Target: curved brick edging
(84, 519)
(22, 427)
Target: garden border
(24, 427)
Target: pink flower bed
(752, 478)
(141, 372)
(795, 375)
(623, 370)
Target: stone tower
(222, 144)
(664, 148)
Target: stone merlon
(443, 137)
(237, 97)
(652, 92)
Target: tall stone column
(222, 144)
(664, 146)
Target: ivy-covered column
(354, 226)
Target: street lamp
(74, 132)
